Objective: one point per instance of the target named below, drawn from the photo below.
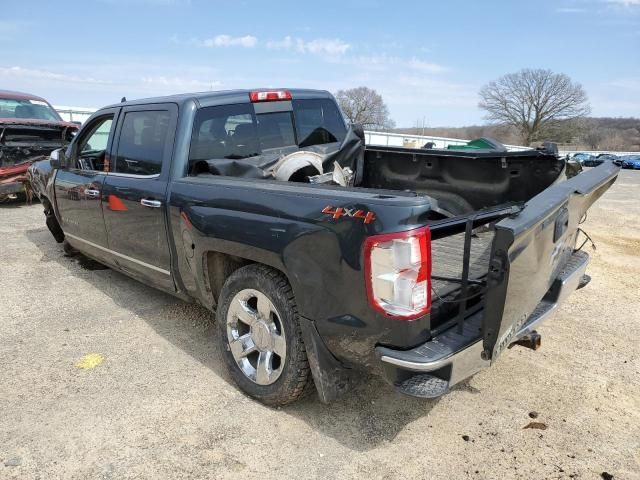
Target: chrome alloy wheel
(256, 337)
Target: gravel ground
(160, 405)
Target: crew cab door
(134, 192)
(78, 185)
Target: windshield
(236, 131)
(27, 108)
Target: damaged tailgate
(533, 255)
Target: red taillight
(398, 273)
(270, 96)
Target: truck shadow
(369, 414)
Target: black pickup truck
(321, 256)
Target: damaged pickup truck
(29, 130)
(320, 256)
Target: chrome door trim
(113, 252)
(131, 175)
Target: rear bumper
(455, 356)
(9, 188)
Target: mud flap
(330, 377)
(529, 251)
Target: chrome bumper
(460, 354)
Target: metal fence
(417, 141)
(74, 114)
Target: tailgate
(530, 250)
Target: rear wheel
(260, 336)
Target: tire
(266, 356)
(69, 251)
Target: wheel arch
(218, 266)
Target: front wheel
(260, 336)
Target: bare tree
(533, 101)
(365, 106)
(593, 137)
(612, 141)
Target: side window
(93, 144)
(226, 131)
(142, 142)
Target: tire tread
(301, 384)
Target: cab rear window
(236, 131)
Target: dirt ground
(161, 405)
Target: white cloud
(107, 82)
(327, 46)
(626, 3)
(20, 72)
(319, 46)
(385, 62)
(423, 66)
(248, 41)
(287, 43)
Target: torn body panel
(23, 142)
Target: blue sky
(427, 59)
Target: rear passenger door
(134, 192)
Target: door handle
(145, 202)
(92, 193)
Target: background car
(631, 161)
(581, 157)
(30, 129)
(600, 159)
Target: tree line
(590, 133)
(524, 108)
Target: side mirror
(358, 129)
(58, 159)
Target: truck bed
(462, 181)
(447, 260)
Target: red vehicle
(30, 129)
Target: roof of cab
(220, 97)
(13, 95)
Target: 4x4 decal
(339, 212)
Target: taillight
(269, 96)
(398, 273)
